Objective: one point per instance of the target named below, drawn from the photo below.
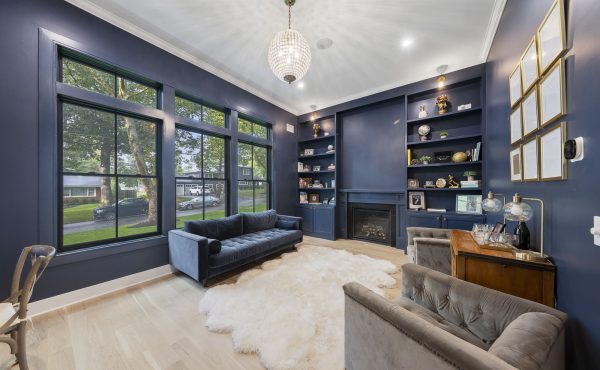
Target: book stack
(476, 153)
(475, 184)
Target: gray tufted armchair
(440, 322)
(430, 248)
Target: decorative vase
(442, 103)
(316, 128)
(422, 112)
(523, 235)
(425, 162)
(459, 157)
(443, 136)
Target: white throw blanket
(291, 312)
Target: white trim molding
(492, 27)
(76, 296)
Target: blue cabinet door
(461, 222)
(424, 220)
(307, 215)
(324, 222)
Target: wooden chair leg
(22, 346)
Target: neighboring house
(82, 187)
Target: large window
(253, 128)
(103, 82)
(253, 178)
(199, 112)
(109, 176)
(201, 185)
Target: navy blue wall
(360, 129)
(572, 203)
(19, 24)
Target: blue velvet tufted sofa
(207, 248)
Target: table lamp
(519, 211)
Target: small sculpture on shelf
(315, 128)
(442, 103)
(425, 159)
(440, 183)
(452, 184)
(459, 157)
(331, 167)
(317, 184)
(330, 148)
(422, 111)
(424, 131)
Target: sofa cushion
(287, 224)
(440, 322)
(220, 229)
(249, 245)
(254, 222)
(214, 246)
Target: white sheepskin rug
(291, 311)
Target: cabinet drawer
(508, 278)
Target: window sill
(80, 255)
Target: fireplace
(373, 223)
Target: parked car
(197, 202)
(127, 207)
(200, 191)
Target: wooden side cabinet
(501, 271)
(318, 220)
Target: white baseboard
(53, 303)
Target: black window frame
(254, 121)
(116, 110)
(203, 104)
(253, 181)
(202, 179)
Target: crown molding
(492, 27)
(127, 26)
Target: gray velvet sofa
(440, 322)
(207, 248)
(430, 247)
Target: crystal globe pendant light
(289, 53)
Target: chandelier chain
(289, 17)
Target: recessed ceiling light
(301, 85)
(324, 43)
(313, 107)
(407, 42)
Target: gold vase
(316, 128)
(442, 103)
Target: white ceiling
(231, 38)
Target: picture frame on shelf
(316, 168)
(530, 155)
(529, 106)
(515, 83)
(309, 151)
(516, 165)
(303, 197)
(553, 100)
(516, 125)
(552, 35)
(416, 200)
(314, 199)
(553, 165)
(413, 183)
(529, 65)
(469, 204)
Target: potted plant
(443, 134)
(470, 175)
(425, 159)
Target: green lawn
(80, 213)
(107, 233)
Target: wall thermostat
(574, 149)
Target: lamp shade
(517, 210)
(492, 205)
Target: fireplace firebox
(373, 222)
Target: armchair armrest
(433, 253)
(297, 220)
(189, 253)
(382, 335)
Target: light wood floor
(155, 325)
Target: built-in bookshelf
(317, 175)
(464, 130)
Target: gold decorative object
(442, 103)
(452, 183)
(459, 157)
(440, 183)
(316, 128)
